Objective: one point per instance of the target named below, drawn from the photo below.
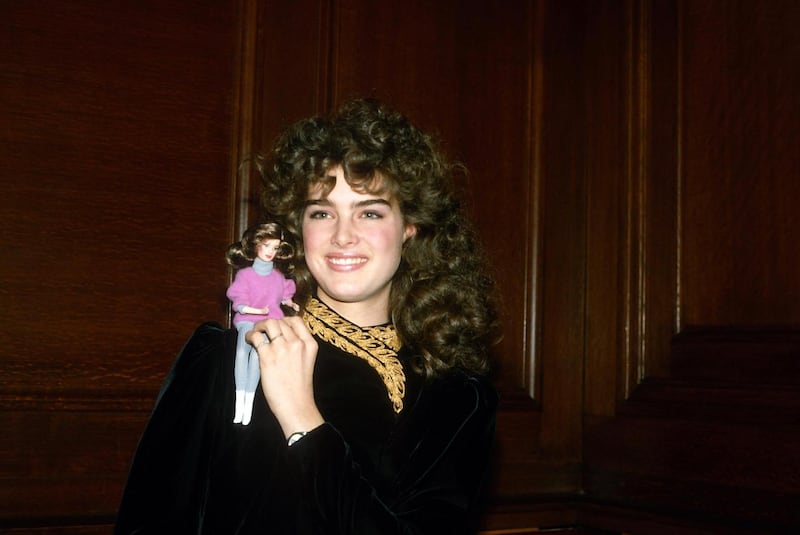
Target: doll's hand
(265, 311)
(287, 353)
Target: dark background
(633, 172)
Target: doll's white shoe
(249, 397)
(239, 403)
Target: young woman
(257, 292)
(376, 416)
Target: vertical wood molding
(659, 71)
(679, 163)
(632, 210)
(532, 372)
(651, 251)
(563, 185)
(245, 106)
(638, 142)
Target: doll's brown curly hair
(441, 297)
(242, 253)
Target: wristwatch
(295, 437)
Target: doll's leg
(253, 378)
(240, 368)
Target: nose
(344, 234)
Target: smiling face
(267, 249)
(353, 243)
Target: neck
(261, 267)
(363, 314)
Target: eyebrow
(359, 204)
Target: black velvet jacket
(411, 462)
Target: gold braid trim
(376, 345)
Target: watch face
(294, 437)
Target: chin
(352, 295)
(346, 297)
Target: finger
(298, 328)
(279, 330)
(274, 330)
(263, 342)
(259, 331)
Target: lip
(345, 262)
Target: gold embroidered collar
(378, 346)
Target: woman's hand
(287, 353)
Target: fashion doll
(257, 292)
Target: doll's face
(267, 249)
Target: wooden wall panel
(610, 290)
(740, 169)
(115, 214)
(292, 65)
(631, 173)
(701, 436)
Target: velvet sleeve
(165, 489)
(440, 461)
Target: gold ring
(276, 337)
(264, 341)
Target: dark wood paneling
(286, 79)
(115, 214)
(115, 158)
(703, 432)
(631, 172)
(52, 473)
(740, 169)
(696, 470)
(737, 357)
(295, 63)
(609, 290)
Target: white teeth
(347, 261)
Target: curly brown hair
(441, 298)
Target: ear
(409, 231)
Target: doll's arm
(291, 304)
(244, 309)
(289, 289)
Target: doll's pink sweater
(258, 291)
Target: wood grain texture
(632, 174)
(741, 170)
(115, 158)
(702, 433)
(115, 214)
